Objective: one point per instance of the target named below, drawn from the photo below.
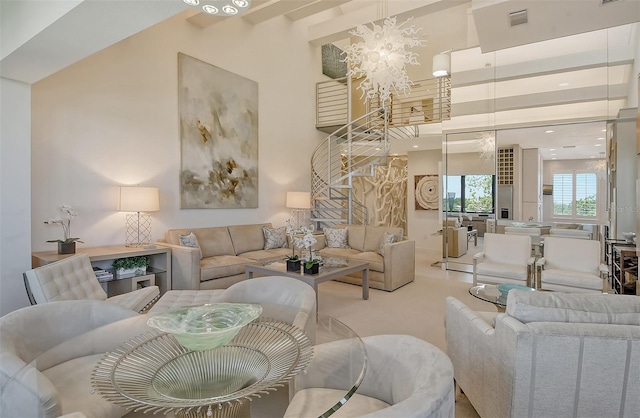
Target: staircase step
(329, 220)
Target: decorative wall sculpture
(385, 193)
(427, 196)
(218, 137)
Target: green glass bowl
(206, 327)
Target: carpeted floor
(416, 309)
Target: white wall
(15, 205)
(422, 225)
(465, 163)
(112, 119)
(555, 166)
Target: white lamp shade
(298, 200)
(139, 199)
(441, 65)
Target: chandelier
(600, 167)
(220, 7)
(486, 146)
(381, 57)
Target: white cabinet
(531, 185)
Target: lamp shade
(298, 200)
(139, 199)
(441, 65)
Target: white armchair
(534, 233)
(505, 259)
(72, 278)
(571, 265)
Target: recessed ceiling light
(600, 139)
(552, 149)
(563, 84)
(553, 158)
(597, 145)
(592, 156)
(415, 146)
(549, 131)
(604, 130)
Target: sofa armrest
(399, 263)
(185, 267)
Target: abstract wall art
(427, 196)
(218, 113)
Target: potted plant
(311, 264)
(293, 261)
(129, 265)
(68, 244)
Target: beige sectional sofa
(221, 259)
(394, 268)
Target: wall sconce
(298, 202)
(441, 64)
(139, 200)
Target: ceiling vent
(608, 1)
(518, 18)
(569, 146)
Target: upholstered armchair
(571, 265)
(72, 278)
(406, 377)
(505, 259)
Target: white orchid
(67, 213)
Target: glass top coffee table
(326, 273)
(490, 293)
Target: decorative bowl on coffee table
(206, 327)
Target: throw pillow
(387, 238)
(336, 237)
(274, 237)
(190, 240)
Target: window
(575, 194)
(470, 193)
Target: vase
(315, 268)
(293, 265)
(66, 247)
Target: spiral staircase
(356, 148)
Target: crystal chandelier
(220, 7)
(600, 167)
(486, 146)
(381, 57)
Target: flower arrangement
(67, 213)
(290, 232)
(306, 241)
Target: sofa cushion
(213, 241)
(190, 240)
(339, 252)
(355, 236)
(374, 234)
(266, 256)
(336, 237)
(387, 238)
(223, 266)
(375, 260)
(569, 307)
(247, 238)
(274, 237)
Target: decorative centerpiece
(293, 261)
(310, 263)
(206, 327)
(68, 244)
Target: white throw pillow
(274, 237)
(190, 240)
(387, 238)
(336, 237)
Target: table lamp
(138, 201)
(298, 202)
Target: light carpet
(417, 308)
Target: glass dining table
(254, 375)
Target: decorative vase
(66, 247)
(315, 268)
(293, 265)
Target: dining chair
(72, 278)
(405, 377)
(505, 259)
(571, 265)
(534, 233)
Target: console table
(102, 257)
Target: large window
(575, 194)
(471, 193)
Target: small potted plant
(68, 244)
(293, 261)
(311, 264)
(131, 265)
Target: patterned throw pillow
(336, 238)
(190, 240)
(274, 237)
(387, 238)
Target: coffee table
(490, 293)
(326, 273)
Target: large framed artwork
(427, 196)
(218, 137)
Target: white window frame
(574, 215)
